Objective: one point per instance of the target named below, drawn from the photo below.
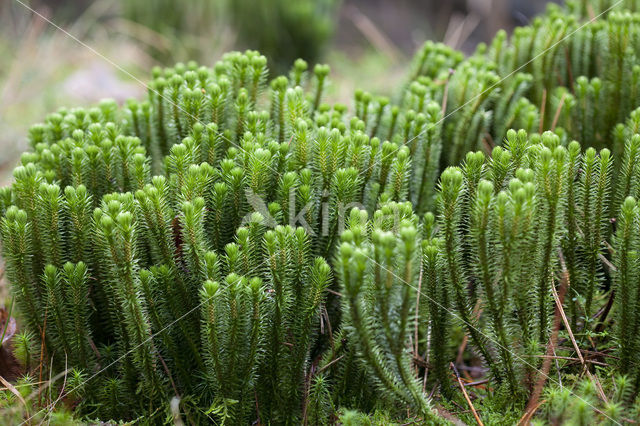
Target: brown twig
(592, 14)
(461, 349)
(542, 108)
(529, 413)
(608, 246)
(465, 340)
(569, 358)
(334, 292)
(533, 403)
(433, 389)
(606, 263)
(445, 95)
(415, 325)
(557, 368)
(94, 348)
(64, 384)
(424, 381)
(166, 369)
(255, 396)
(596, 382)
(466, 395)
(477, 383)
(426, 359)
(591, 353)
(329, 364)
(420, 361)
(325, 314)
(43, 347)
(488, 143)
(604, 312)
(569, 70)
(556, 116)
(305, 399)
(47, 397)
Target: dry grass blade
(415, 325)
(542, 110)
(329, 364)
(466, 395)
(556, 298)
(556, 116)
(465, 340)
(16, 393)
(534, 403)
(526, 417)
(568, 358)
(373, 34)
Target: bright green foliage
(561, 72)
(149, 252)
(580, 404)
(231, 333)
(581, 66)
(17, 408)
(627, 288)
(232, 249)
(246, 326)
(556, 203)
(379, 273)
(298, 286)
(435, 301)
(503, 239)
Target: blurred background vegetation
(106, 48)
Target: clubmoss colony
(261, 255)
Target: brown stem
(466, 395)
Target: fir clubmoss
(233, 249)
